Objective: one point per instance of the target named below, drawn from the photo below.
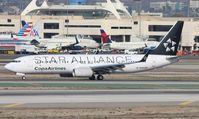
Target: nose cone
(8, 66)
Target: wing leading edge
(105, 69)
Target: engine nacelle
(82, 72)
(66, 75)
(34, 42)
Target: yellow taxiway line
(12, 105)
(185, 103)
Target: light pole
(67, 21)
(139, 7)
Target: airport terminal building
(113, 17)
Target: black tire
(92, 77)
(100, 77)
(23, 78)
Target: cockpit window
(16, 61)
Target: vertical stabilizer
(105, 38)
(170, 42)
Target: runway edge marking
(186, 103)
(13, 105)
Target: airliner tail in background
(27, 30)
(105, 38)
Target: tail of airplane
(105, 38)
(170, 42)
(23, 23)
(27, 30)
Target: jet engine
(82, 72)
(34, 42)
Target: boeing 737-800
(96, 65)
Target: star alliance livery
(95, 66)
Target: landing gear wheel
(23, 78)
(92, 77)
(100, 77)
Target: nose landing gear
(23, 77)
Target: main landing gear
(98, 77)
(23, 78)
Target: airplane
(29, 35)
(54, 43)
(59, 41)
(94, 66)
(107, 42)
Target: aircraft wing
(105, 69)
(71, 45)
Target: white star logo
(170, 45)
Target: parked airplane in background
(106, 41)
(21, 38)
(96, 65)
(14, 36)
(57, 42)
(29, 35)
(66, 42)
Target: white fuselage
(54, 43)
(58, 64)
(132, 45)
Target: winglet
(77, 41)
(145, 57)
